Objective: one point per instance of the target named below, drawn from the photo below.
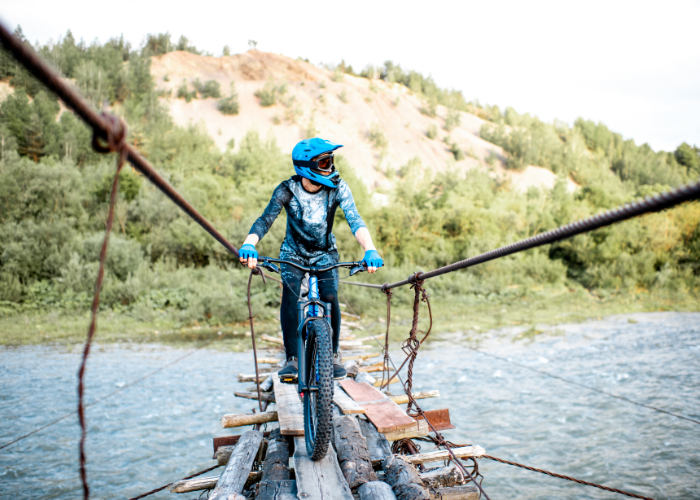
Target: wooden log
(263, 373)
(376, 490)
(269, 361)
(321, 480)
(289, 407)
(361, 356)
(404, 479)
(276, 472)
(344, 402)
(403, 398)
(235, 475)
(464, 492)
(208, 483)
(377, 444)
(264, 396)
(241, 419)
(223, 453)
(440, 455)
(355, 347)
(353, 455)
(376, 367)
(444, 477)
(394, 379)
(272, 340)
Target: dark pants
(328, 292)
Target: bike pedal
(288, 380)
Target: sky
(633, 65)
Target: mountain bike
(315, 354)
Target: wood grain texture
(419, 429)
(289, 408)
(277, 490)
(321, 480)
(276, 472)
(263, 373)
(377, 444)
(240, 419)
(382, 412)
(235, 475)
(187, 485)
(376, 490)
(439, 456)
(402, 399)
(404, 479)
(444, 477)
(464, 492)
(270, 398)
(353, 455)
(345, 403)
(272, 340)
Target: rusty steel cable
(651, 204)
(101, 126)
(561, 476)
(143, 495)
(116, 142)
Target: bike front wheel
(318, 412)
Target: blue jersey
(309, 239)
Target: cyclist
(310, 199)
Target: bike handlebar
(271, 267)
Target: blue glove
(372, 259)
(248, 251)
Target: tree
(688, 156)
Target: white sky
(633, 65)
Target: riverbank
(531, 312)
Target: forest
(164, 272)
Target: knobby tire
(318, 411)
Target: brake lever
(269, 266)
(356, 270)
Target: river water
(160, 430)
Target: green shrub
(229, 105)
(376, 137)
(343, 96)
(432, 131)
(429, 108)
(184, 93)
(270, 93)
(210, 88)
(452, 120)
(338, 75)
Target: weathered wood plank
(463, 492)
(321, 480)
(376, 490)
(361, 356)
(382, 412)
(263, 373)
(241, 419)
(345, 403)
(440, 455)
(270, 398)
(421, 428)
(238, 468)
(269, 361)
(353, 455)
(272, 340)
(404, 479)
(276, 473)
(208, 483)
(377, 444)
(402, 399)
(277, 490)
(289, 408)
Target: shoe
(338, 369)
(289, 373)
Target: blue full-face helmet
(306, 157)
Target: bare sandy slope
(314, 102)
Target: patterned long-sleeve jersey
(309, 239)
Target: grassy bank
(534, 310)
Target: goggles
(323, 165)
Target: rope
(560, 476)
(163, 487)
(651, 204)
(116, 142)
(130, 384)
(568, 381)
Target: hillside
(346, 111)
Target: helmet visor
(324, 164)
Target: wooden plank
(264, 396)
(239, 420)
(444, 477)
(462, 492)
(235, 475)
(276, 472)
(382, 412)
(345, 403)
(321, 480)
(289, 408)
(376, 490)
(402, 399)
(208, 483)
(273, 340)
(404, 479)
(269, 361)
(277, 490)
(420, 429)
(263, 373)
(440, 455)
(377, 444)
(361, 356)
(353, 454)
